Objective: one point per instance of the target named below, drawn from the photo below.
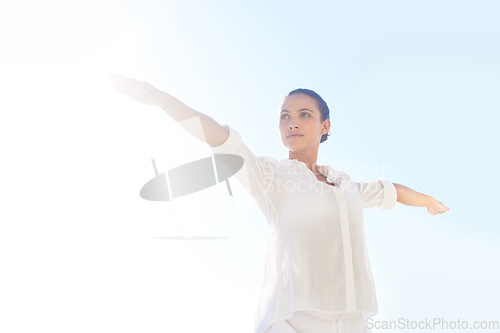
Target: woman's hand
(211, 131)
(436, 207)
(140, 91)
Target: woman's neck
(309, 159)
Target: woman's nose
(293, 124)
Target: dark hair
(323, 107)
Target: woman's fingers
(443, 208)
(121, 82)
(135, 89)
(438, 208)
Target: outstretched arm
(212, 132)
(409, 197)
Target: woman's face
(300, 123)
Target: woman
(317, 274)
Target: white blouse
(316, 256)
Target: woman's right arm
(212, 132)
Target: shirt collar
(328, 171)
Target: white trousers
(315, 322)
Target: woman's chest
(303, 199)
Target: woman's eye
(283, 116)
(305, 113)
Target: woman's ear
(326, 126)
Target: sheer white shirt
(316, 256)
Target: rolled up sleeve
(231, 145)
(378, 193)
(256, 174)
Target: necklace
(326, 180)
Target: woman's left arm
(409, 197)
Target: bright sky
(413, 90)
